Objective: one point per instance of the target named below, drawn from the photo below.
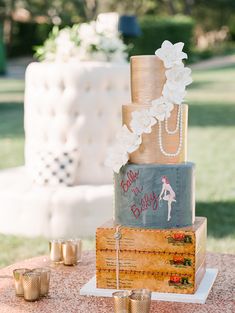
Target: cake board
(89, 289)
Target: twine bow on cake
(117, 237)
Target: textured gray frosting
(137, 191)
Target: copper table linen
(66, 282)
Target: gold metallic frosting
(147, 78)
(149, 151)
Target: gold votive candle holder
(79, 248)
(121, 301)
(69, 252)
(45, 274)
(55, 247)
(140, 301)
(31, 285)
(17, 274)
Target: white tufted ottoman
(68, 107)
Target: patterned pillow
(55, 168)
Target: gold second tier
(167, 143)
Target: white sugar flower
(128, 140)
(161, 108)
(171, 54)
(173, 96)
(117, 157)
(178, 77)
(142, 122)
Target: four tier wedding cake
(155, 241)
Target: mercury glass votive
(55, 247)
(17, 274)
(31, 285)
(69, 252)
(79, 248)
(45, 274)
(121, 301)
(140, 301)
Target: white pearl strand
(180, 113)
(172, 132)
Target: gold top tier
(147, 78)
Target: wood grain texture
(189, 240)
(162, 282)
(150, 262)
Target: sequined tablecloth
(66, 282)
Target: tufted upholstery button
(100, 113)
(110, 141)
(108, 87)
(88, 87)
(62, 85)
(45, 137)
(89, 140)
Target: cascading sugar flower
(117, 157)
(174, 96)
(128, 140)
(178, 77)
(142, 122)
(171, 54)
(161, 108)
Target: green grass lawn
(211, 146)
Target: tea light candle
(31, 285)
(55, 247)
(69, 252)
(140, 301)
(44, 280)
(17, 274)
(121, 301)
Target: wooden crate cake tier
(180, 263)
(154, 195)
(170, 260)
(186, 240)
(149, 150)
(160, 282)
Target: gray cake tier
(155, 196)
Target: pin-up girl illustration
(168, 194)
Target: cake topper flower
(142, 122)
(171, 54)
